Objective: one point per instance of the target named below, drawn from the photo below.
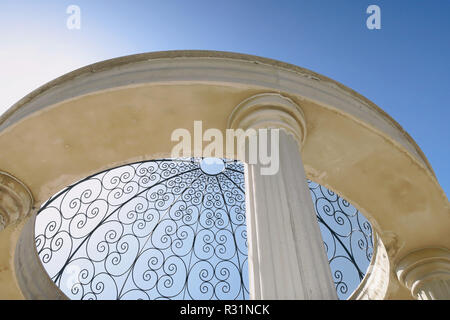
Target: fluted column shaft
(287, 258)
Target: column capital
(16, 200)
(269, 110)
(426, 272)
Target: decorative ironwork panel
(175, 229)
(347, 236)
(163, 229)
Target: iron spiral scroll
(159, 229)
(347, 236)
(169, 229)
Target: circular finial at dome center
(212, 166)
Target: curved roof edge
(111, 63)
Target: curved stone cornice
(113, 73)
(269, 110)
(15, 200)
(426, 272)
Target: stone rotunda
(111, 122)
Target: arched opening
(160, 229)
(175, 229)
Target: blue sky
(403, 67)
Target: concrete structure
(124, 110)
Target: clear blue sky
(404, 67)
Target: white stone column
(426, 273)
(287, 258)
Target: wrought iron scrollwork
(347, 236)
(166, 229)
(158, 229)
